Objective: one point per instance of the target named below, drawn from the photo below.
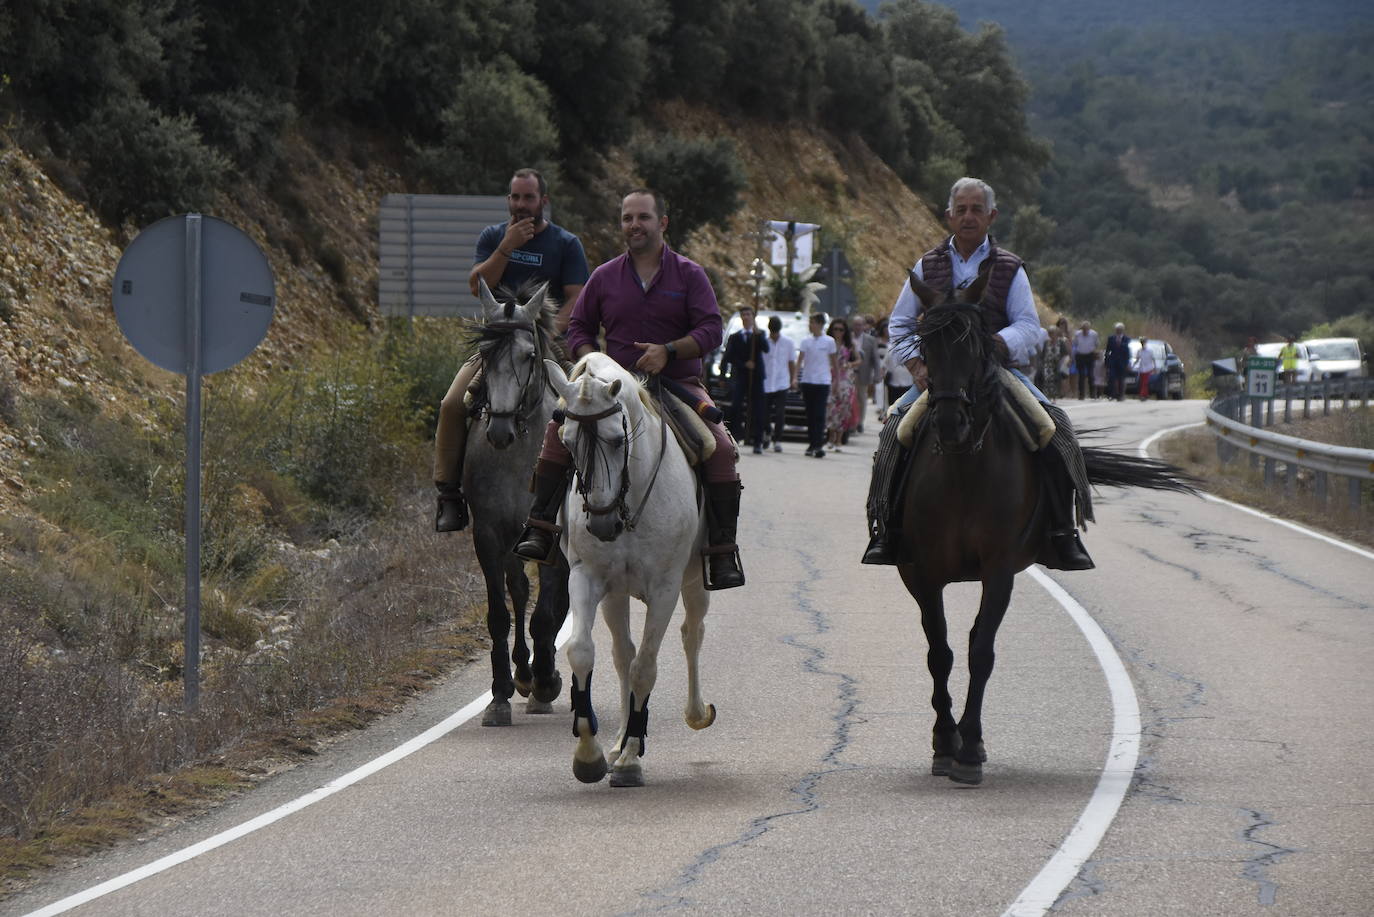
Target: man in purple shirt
(659, 315)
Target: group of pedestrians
(1067, 362)
(835, 369)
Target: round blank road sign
(151, 302)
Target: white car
(1304, 358)
(1335, 358)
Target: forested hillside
(1213, 163)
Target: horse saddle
(1022, 410)
(688, 428)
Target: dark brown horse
(972, 508)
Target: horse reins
(530, 395)
(588, 423)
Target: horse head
(958, 351)
(600, 418)
(512, 352)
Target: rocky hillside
(318, 228)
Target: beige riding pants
(451, 437)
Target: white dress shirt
(1021, 335)
(777, 371)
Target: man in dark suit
(1118, 357)
(743, 360)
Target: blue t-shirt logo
(534, 259)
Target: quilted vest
(937, 271)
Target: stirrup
(719, 555)
(1065, 551)
(880, 551)
(539, 541)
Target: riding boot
(540, 537)
(1062, 550)
(724, 570)
(884, 510)
(452, 514)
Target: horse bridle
(618, 505)
(530, 395)
(961, 394)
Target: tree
(1031, 232)
(596, 63)
(701, 180)
(497, 116)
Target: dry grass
(1196, 452)
(388, 616)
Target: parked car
(1168, 375)
(1335, 358)
(795, 326)
(1304, 358)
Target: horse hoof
(589, 771)
(497, 713)
(546, 691)
(536, 707)
(628, 775)
(522, 687)
(941, 765)
(705, 721)
(967, 774)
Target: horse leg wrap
(638, 727)
(582, 704)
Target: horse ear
(614, 390)
(558, 379)
(534, 306)
(490, 307)
(974, 293)
(925, 294)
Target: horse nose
(500, 432)
(605, 528)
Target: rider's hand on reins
(999, 347)
(654, 359)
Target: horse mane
(583, 368)
(960, 321)
(484, 334)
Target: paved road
(1247, 645)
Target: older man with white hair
(954, 265)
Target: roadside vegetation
(326, 597)
(1196, 452)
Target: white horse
(634, 527)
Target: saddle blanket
(1027, 415)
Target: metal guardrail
(1226, 417)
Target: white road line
(435, 732)
(1277, 520)
(1034, 900)
(1039, 896)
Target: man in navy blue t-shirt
(527, 247)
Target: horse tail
(1107, 468)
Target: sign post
(1259, 376)
(193, 295)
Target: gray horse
(513, 402)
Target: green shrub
(701, 180)
(144, 165)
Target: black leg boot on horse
(1063, 550)
(452, 514)
(884, 495)
(540, 537)
(723, 568)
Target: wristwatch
(672, 351)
